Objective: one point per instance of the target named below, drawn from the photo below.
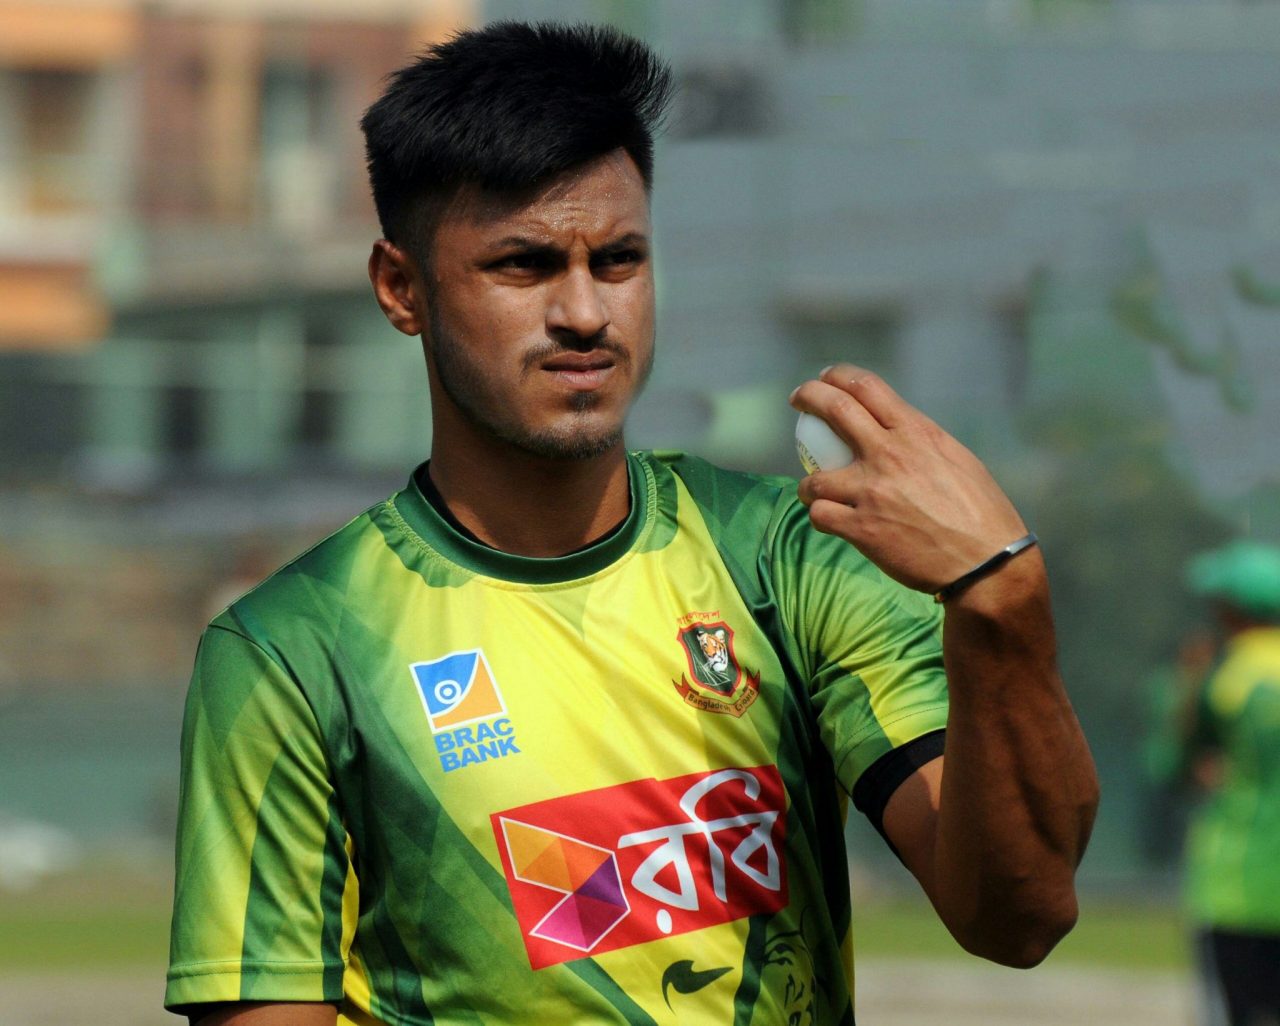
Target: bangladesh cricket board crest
(715, 681)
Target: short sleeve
(870, 649)
(262, 864)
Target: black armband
(884, 776)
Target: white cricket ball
(819, 447)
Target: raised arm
(995, 828)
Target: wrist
(1020, 585)
(986, 568)
(1002, 623)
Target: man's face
(540, 312)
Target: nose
(577, 306)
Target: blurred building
(1002, 204)
(184, 221)
(59, 93)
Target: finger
(845, 415)
(833, 485)
(872, 391)
(831, 517)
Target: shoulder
(732, 502)
(764, 535)
(700, 473)
(758, 511)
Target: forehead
(605, 195)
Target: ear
(397, 287)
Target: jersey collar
(437, 533)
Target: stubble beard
(464, 382)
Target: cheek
(486, 322)
(513, 315)
(635, 307)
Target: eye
(521, 262)
(619, 258)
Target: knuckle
(869, 380)
(842, 406)
(929, 430)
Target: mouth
(582, 371)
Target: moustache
(595, 343)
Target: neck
(528, 505)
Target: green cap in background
(1244, 574)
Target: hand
(915, 501)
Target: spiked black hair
(504, 108)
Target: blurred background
(1053, 224)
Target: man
(467, 761)
(1227, 732)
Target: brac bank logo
(606, 869)
(459, 690)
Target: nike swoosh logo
(683, 978)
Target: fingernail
(823, 373)
(793, 393)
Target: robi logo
(606, 869)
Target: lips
(577, 362)
(580, 370)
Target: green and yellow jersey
(1233, 848)
(432, 782)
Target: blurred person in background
(1222, 737)
(1168, 695)
(563, 732)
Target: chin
(573, 441)
(571, 447)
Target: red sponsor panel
(623, 865)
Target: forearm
(994, 829)
(1019, 790)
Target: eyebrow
(532, 245)
(625, 242)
